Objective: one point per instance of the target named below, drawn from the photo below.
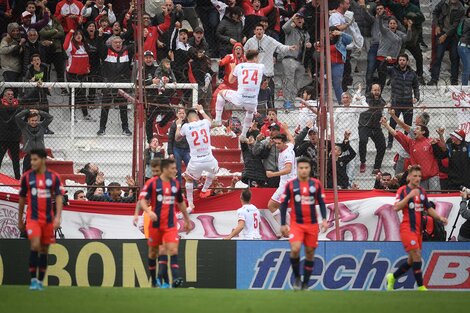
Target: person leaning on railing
(464, 233)
(114, 191)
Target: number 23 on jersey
(196, 137)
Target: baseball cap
(459, 134)
(26, 14)
(198, 30)
(148, 53)
(183, 30)
(300, 14)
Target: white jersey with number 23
(198, 136)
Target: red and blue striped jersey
(163, 196)
(412, 213)
(303, 196)
(40, 191)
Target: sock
(189, 192)
(42, 266)
(308, 268)
(295, 263)
(402, 270)
(163, 268)
(418, 273)
(152, 270)
(174, 266)
(219, 107)
(208, 182)
(247, 122)
(33, 263)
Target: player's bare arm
(59, 202)
(144, 205)
(136, 213)
(187, 221)
(231, 77)
(200, 109)
(179, 124)
(290, 138)
(434, 215)
(400, 123)
(285, 171)
(237, 230)
(21, 203)
(283, 210)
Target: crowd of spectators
(95, 41)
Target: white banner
(370, 219)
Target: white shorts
(195, 168)
(236, 99)
(276, 197)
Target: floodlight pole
(330, 110)
(140, 92)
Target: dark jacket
(363, 19)
(254, 168)
(149, 71)
(404, 85)
(305, 148)
(371, 117)
(341, 174)
(172, 143)
(465, 212)
(33, 138)
(36, 95)
(312, 20)
(106, 198)
(94, 55)
(459, 163)
(227, 29)
(9, 130)
(442, 10)
(410, 10)
(465, 38)
(29, 49)
(203, 45)
(116, 65)
(148, 156)
(57, 38)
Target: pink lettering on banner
(345, 214)
(443, 208)
(91, 232)
(207, 222)
(9, 221)
(465, 126)
(448, 270)
(181, 226)
(266, 231)
(358, 232)
(461, 99)
(388, 223)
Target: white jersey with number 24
(249, 76)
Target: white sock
(247, 122)
(219, 107)
(208, 182)
(189, 192)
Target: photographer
(464, 233)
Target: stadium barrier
(241, 264)
(364, 216)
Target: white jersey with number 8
(249, 76)
(198, 136)
(250, 214)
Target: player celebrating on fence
(249, 219)
(198, 135)
(304, 193)
(412, 200)
(287, 170)
(164, 193)
(249, 75)
(39, 189)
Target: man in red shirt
(411, 199)
(39, 189)
(304, 193)
(163, 193)
(422, 150)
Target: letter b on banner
(448, 270)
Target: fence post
(195, 96)
(72, 114)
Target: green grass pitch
(18, 299)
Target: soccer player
(303, 193)
(411, 199)
(287, 170)
(249, 219)
(249, 75)
(163, 193)
(39, 189)
(198, 135)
